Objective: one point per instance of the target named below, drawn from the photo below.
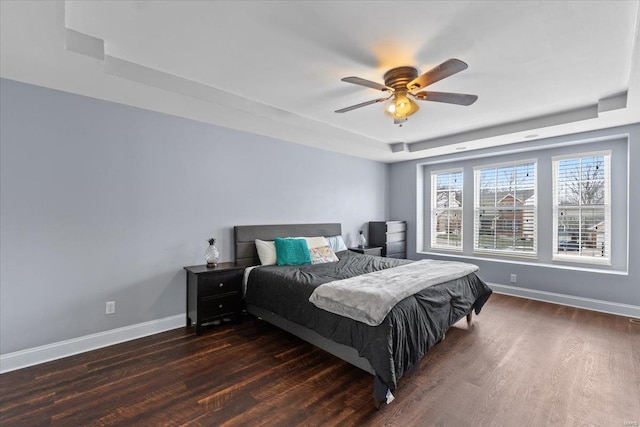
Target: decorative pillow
(291, 251)
(316, 242)
(322, 254)
(336, 243)
(266, 252)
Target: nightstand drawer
(368, 250)
(215, 307)
(220, 283)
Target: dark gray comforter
(392, 348)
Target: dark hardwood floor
(520, 363)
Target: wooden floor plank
(520, 362)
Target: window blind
(446, 209)
(581, 208)
(505, 209)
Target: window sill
(506, 254)
(445, 249)
(581, 260)
(503, 260)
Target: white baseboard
(570, 300)
(58, 350)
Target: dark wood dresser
(391, 236)
(214, 294)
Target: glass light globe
(400, 106)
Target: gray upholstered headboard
(245, 235)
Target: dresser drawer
(220, 283)
(396, 247)
(219, 306)
(396, 237)
(401, 255)
(395, 227)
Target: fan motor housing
(398, 78)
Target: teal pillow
(290, 251)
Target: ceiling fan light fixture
(399, 82)
(400, 106)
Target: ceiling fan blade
(437, 73)
(364, 104)
(367, 83)
(447, 97)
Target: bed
(280, 295)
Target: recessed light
(461, 148)
(532, 135)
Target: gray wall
(406, 195)
(101, 201)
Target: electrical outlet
(514, 278)
(111, 307)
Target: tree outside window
(581, 207)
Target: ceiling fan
(402, 82)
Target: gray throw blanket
(369, 298)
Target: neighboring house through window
(505, 208)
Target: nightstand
(214, 294)
(368, 250)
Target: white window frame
(558, 256)
(434, 209)
(533, 254)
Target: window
(581, 208)
(446, 210)
(505, 209)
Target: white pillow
(316, 242)
(266, 252)
(336, 243)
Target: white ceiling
(274, 68)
